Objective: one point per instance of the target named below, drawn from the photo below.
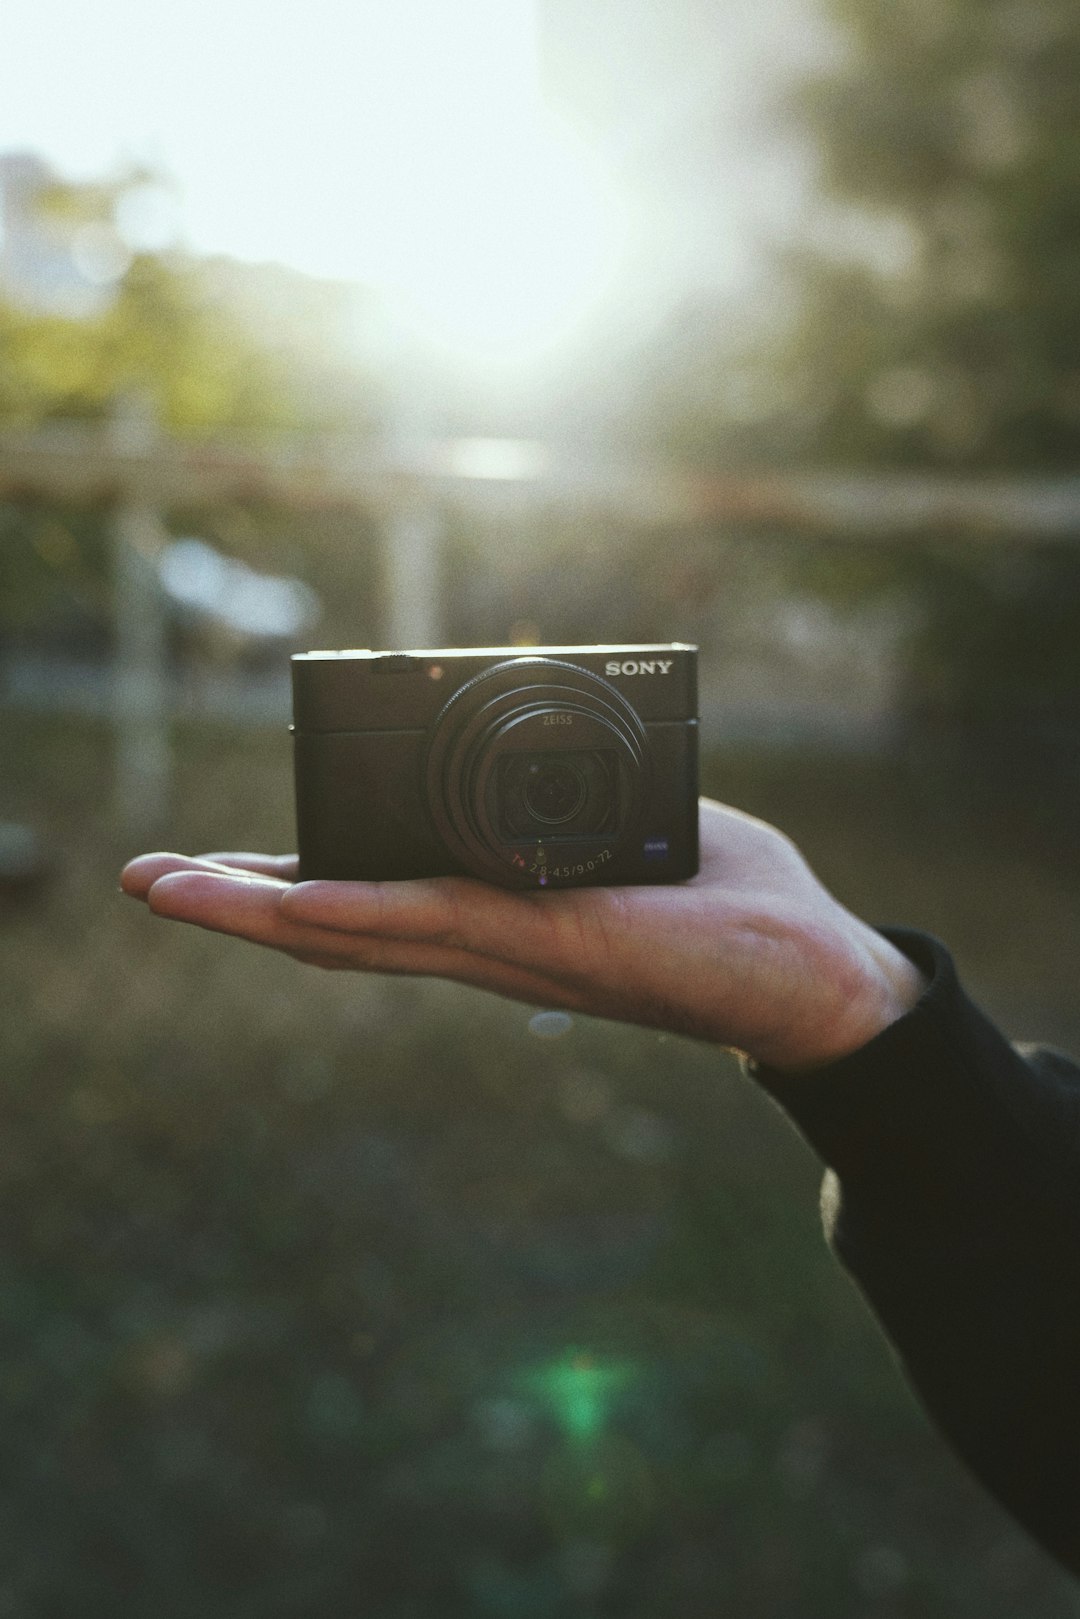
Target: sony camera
(555, 767)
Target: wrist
(894, 987)
(860, 988)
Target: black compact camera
(554, 767)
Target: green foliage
(938, 316)
(162, 336)
(938, 320)
(929, 320)
(927, 314)
(213, 347)
(53, 566)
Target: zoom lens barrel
(536, 773)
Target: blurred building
(51, 262)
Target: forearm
(953, 1198)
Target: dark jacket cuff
(931, 1089)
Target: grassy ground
(321, 1296)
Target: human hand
(752, 953)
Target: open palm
(753, 952)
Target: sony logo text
(639, 666)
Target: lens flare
(578, 1390)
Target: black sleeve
(953, 1198)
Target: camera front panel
(359, 808)
(666, 850)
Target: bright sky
(397, 142)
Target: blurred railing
(129, 466)
(74, 463)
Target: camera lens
(554, 796)
(554, 792)
(536, 774)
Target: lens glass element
(554, 791)
(559, 794)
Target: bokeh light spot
(550, 1025)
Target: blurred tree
(923, 313)
(937, 324)
(155, 329)
(88, 317)
(216, 347)
(938, 318)
(927, 319)
(159, 336)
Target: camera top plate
(359, 689)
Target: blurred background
(483, 322)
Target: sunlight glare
(490, 227)
(515, 251)
(400, 144)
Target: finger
(456, 911)
(268, 865)
(140, 874)
(250, 908)
(245, 904)
(569, 939)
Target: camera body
(551, 767)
